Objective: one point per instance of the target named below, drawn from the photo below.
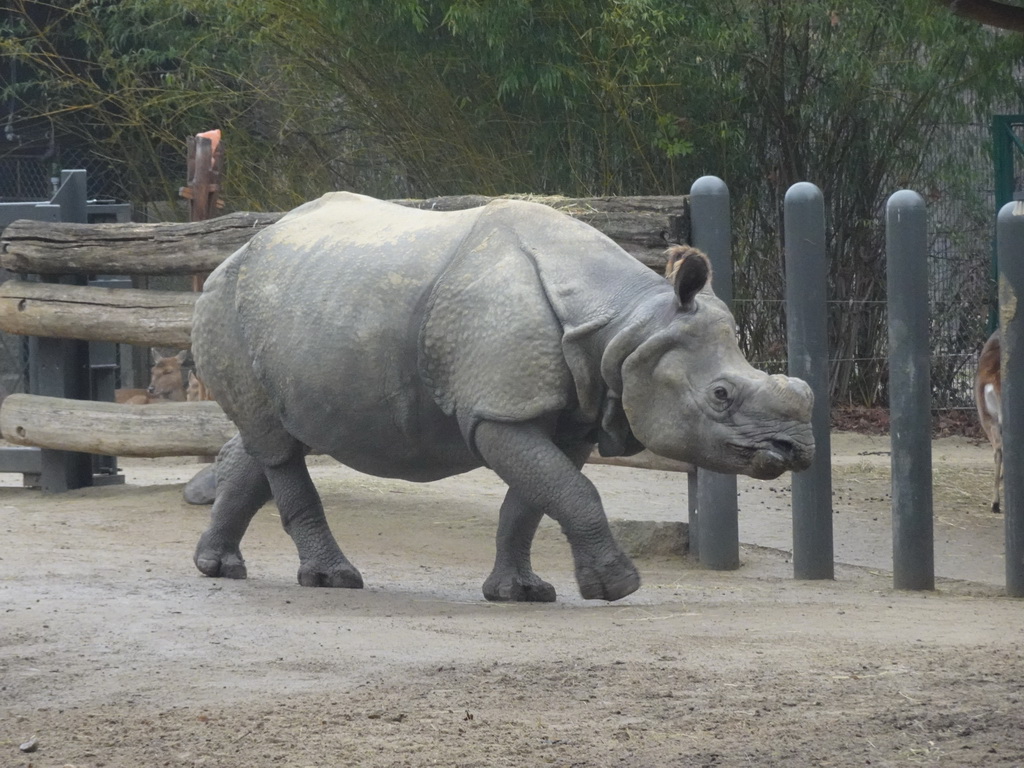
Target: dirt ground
(115, 651)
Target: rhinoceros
(420, 344)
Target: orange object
(214, 137)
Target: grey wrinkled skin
(202, 488)
(418, 345)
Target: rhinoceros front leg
(542, 479)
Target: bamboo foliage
(416, 98)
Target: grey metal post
(692, 531)
(61, 369)
(62, 365)
(718, 543)
(1010, 256)
(906, 248)
(711, 230)
(71, 197)
(807, 345)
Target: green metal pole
(1004, 185)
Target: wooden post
(205, 164)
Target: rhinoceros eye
(721, 397)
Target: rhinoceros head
(688, 393)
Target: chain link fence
(23, 179)
(957, 188)
(961, 228)
(26, 178)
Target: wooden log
(126, 316)
(643, 226)
(47, 248)
(163, 429)
(643, 460)
(171, 429)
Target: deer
(166, 383)
(196, 389)
(988, 393)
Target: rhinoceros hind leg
(216, 562)
(336, 574)
(513, 579)
(202, 488)
(243, 489)
(518, 588)
(321, 561)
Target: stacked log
(47, 248)
(164, 429)
(120, 315)
(643, 226)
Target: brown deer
(988, 392)
(196, 389)
(166, 382)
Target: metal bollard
(717, 513)
(909, 391)
(807, 344)
(1010, 257)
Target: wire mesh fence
(957, 187)
(960, 202)
(961, 241)
(23, 179)
(35, 178)
(26, 177)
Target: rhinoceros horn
(792, 397)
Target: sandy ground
(114, 651)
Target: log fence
(65, 309)
(643, 226)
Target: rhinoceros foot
(514, 587)
(340, 573)
(221, 562)
(608, 579)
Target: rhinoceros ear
(689, 270)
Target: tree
(858, 102)
(576, 97)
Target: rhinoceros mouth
(769, 459)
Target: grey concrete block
(647, 538)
